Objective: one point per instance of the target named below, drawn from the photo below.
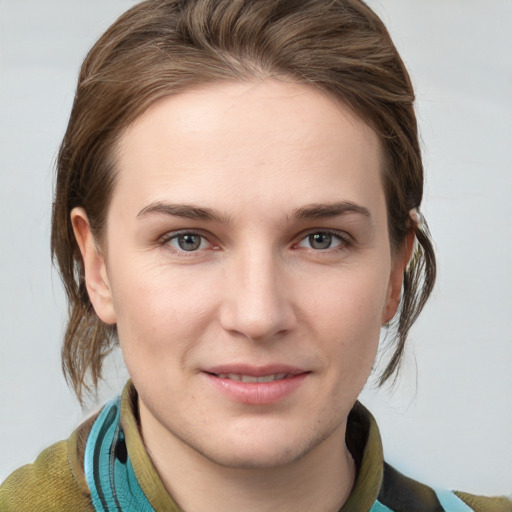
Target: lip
(256, 393)
(255, 371)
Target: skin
(258, 290)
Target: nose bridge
(256, 304)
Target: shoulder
(486, 503)
(381, 488)
(53, 483)
(400, 493)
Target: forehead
(279, 142)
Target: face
(248, 268)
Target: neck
(320, 480)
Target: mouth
(256, 385)
(251, 374)
(252, 378)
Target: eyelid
(343, 236)
(171, 235)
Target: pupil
(189, 242)
(320, 240)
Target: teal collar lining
(108, 469)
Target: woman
(237, 205)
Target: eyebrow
(319, 211)
(307, 212)
(185, 211)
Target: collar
(121, 476)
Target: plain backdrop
(448, 420)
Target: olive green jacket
(55, 482)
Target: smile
(252, 378)
(256, 386)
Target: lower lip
(257, 393)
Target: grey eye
(320, 240)
(189, 242)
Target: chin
(257, 457)
(259, 451)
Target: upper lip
(255, 371)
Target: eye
(188, 242)
(321, 240)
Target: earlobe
(399, 264)
(95, 270)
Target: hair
(163, 47)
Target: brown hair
(162, 47)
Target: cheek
(351, 302)
(346, 320)
(158, 310)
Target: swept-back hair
(163, 47)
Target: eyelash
(342, 237)
(175, 235)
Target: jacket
(104, 467)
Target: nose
(257, 302)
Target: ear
(398, 266)
(96, 278)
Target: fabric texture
(53, 483)
(103, 467)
